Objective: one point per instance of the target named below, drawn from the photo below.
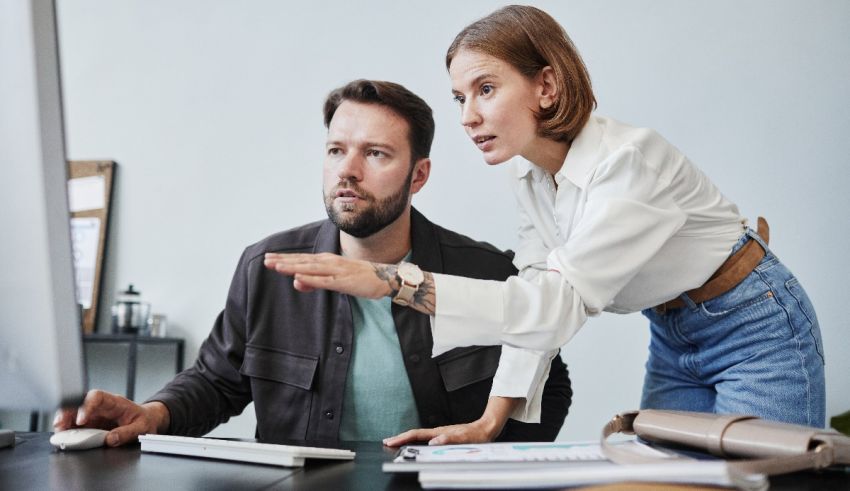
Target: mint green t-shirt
(378, 400)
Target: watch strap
(405, 294)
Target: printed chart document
(415, 458)
(556, 464)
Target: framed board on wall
(89, 196)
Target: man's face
(367, 170)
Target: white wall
(213, 111)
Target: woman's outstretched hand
(326, 271)
(332, 272)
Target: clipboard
(89, 197)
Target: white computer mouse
(78, 439)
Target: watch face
(410, 273)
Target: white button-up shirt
(627, 223)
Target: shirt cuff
(469, 313)
(522, 374)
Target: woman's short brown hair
(530, 39)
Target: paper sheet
(85, 233)
(515, 452)
(712, 473)
(87, 193)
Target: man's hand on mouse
(125, 419)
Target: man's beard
(374, 217)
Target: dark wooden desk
(34, 464)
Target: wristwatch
(409, 279)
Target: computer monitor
(41, 356)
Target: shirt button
(329, 414)
(339, 349)
(414, 358)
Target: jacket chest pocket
(297, 370)
(282, 386)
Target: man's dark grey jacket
(289, 352)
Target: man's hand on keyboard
(126, 419)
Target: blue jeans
(756, 350)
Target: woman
(612, 218)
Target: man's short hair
(395, 97)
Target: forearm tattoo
(425, 298)
(388, 273)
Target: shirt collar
(581, 159)
(522, 166)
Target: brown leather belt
(729, 274)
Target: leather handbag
(768, 447)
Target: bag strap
(820, 457)
(622, 423)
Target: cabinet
(133, 341)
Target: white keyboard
(258, 453)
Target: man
(325, 366)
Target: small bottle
(158, 325)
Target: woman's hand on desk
(485, 429)
(126, 419)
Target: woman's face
(498, 105)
